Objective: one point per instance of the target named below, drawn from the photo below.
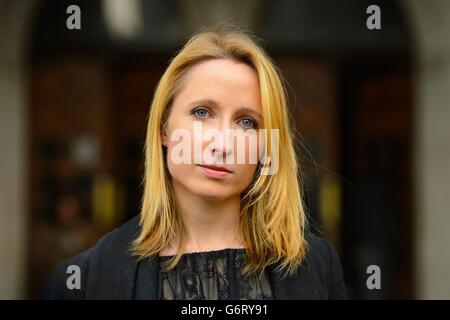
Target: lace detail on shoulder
(212, 275)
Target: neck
(209, 224)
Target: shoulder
(111, 249)
(319, 249)
(323, 259)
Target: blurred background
(372, 108)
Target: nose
(221, 145)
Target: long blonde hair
(272, 220)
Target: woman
(213, 227)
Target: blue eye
(248, 123)
(201, 113)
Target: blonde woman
(212, 227)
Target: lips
(215, 172)
(216, 168)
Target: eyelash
(194, 113)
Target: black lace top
(212, 275)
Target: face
(212, 123)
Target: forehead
(221, 79)
(225, 69)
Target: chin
(213, 198)
(214, 194)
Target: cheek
(179, 167)
(248, 148)
(244, 174)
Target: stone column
(430, 25)
(14, 30)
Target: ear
(164, 138)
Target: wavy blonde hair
(272, 220)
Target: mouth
(215, 172)
(216, 168)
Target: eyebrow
(214, 104)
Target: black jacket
(108, 271)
